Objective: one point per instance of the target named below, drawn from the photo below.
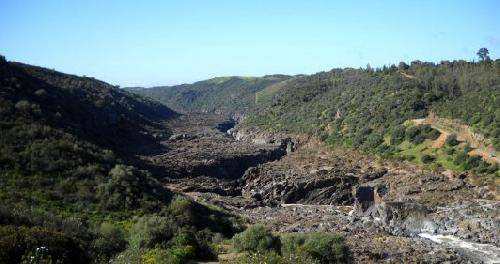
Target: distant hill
(228, 95)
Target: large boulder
(398, 218)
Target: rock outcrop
(321, 187)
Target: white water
(487, 253)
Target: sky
(148, 43)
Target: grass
(409, 149)
(213, 207)
(219, 80)
(442, 159)
(268, 92)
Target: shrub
(42, 93)
(151, 231)
(493, 168)
(293, 251)
(461, 158)
(361, 135)
(430, 132)
(185, 244)
(373, 141)
(183, 210)
(451, 140)
(427, 158)
(417, 134)
(17, 243)
(418, 139)
(23, 106)
(450, 151)
(255, 239)
(482, 167)
(397, 135)
(175, 255)
(472, 162)
(129, 188)
(327, 248)
(412, 132)
(313, 248)
(110, 241)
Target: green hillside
(69, 192)
(229, 95)
(366, 108)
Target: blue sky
(168, 42)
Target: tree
(483, 54)
(398, 134)
(403, 66)
(451, 140)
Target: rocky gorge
(386, 210)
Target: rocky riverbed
(388, 211)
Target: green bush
(293, 251)
(188, 240)
(427, 158)
(110, 241)
(412, 132)
(184, 210)
(450, 151)
(460, 158)
(174, 255)
(255, 239)
(373, 141)
(130, 255)
(152, 231)
(323, 247)
(472, 162)
(452, 141)
(17, 243)
(417, 134)
(397, 135)
(128, 188)
(429, 132)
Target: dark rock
(365, 198)
(274, 188)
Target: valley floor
(388, 211)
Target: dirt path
(406, 75)
(488, 156)
(440, 141)
(464, 134)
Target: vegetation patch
(259, 245)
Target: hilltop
(227, 95)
